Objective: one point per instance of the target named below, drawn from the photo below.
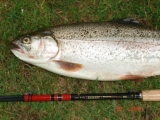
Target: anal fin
(135, 78)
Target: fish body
(104, 51)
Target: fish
(102, 51)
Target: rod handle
(151, 95)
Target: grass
(16, 77)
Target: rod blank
(68, 97)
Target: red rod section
(36, 98)
(56, 97)
(39, 98)
(66, 97)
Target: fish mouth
(16, 47)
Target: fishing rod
(147, 95)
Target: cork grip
(151, 95)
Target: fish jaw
(19, 53)
(18, 48)
(28, 58)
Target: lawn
(17, 77)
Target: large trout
(104, 51)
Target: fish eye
(26, 40)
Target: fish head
(38, 47)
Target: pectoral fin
(69, 66)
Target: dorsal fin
(127, 21)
